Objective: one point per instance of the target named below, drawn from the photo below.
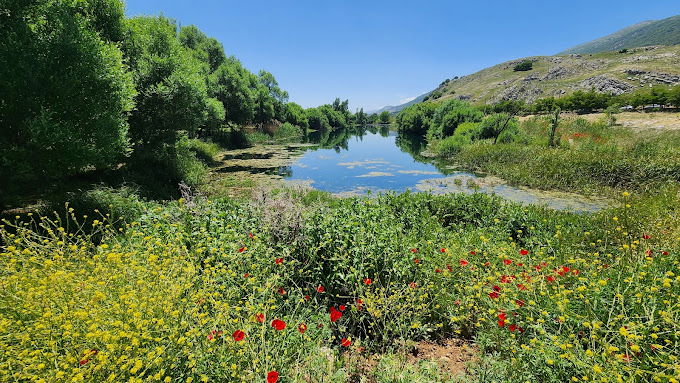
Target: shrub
(288, 131)
(451, 145)
(524, 66)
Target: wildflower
(437, 270)
(279, 261)
(416, 260)
(359, 303)
(335, 314)
(241, 250)
(521, 287)
(519, 302)
(320, 289)
(496, 288)
(272, 377)
(246, 275)
(512, 327)
(251, 235)
(443, 250)
(523, 252)
(412, 285)
(307, 297)
(342, 307)
(502, 316)
(238, 335)
(507, 262)
(278, 324)
(463, 262)
(414, 250)
(282, 291)
(550, 278)
(260, 317)
(646, 236)
(473, 252)
(302, 328)
(493, 295)
(368, 281)
(345, 342)
(501, 323)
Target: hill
(397, 108)
(611, 72)
(654, 32)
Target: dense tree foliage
(64, 93)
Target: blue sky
(378, 53)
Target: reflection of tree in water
(285, 171)
(414, 144)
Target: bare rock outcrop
(605, 84)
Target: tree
(384, 117)
(279, 96)
(208, 50)
(554, 124)
(674, 96)
(172, 95)
(524, 66)
(296, 115)
(494, 125)
(449, 115)
(416, 118)
(360, 117)
(65, 93)
(234, 86)
(317, 120)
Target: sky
(378, 53)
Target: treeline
(83, 87)
(658, 96)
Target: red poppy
(342, 307)
(260, 317)
(521, 287)
(251, 235)
(359, 303)
(84, 361)
(414, 250)
(416, 260)
(512, 327)
(282, 291)
(550, 278)
(272, 377)
(302, 328)
(368, 281)
(238, 335)
(523, 252)
(496, 288)
(456, 302)
(335, 314)
(507, 262)
(648, 252)
(473, 252)
(241, 250)
(437, 270)
(320, 289)
(575, 272)
(246, 275)
(279, 261)
(646, 236)
(505, 279)
(487, 264)
(443, 250)
(493, 295)
(345, 342)
(307, 297)
(278, 324)
(519, 302)
(664, 253)
(463, 262)
(214, 334)
(448, 267)
(412, 285)
(501, 323)
(502, 316)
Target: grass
(547, 296)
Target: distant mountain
(397, 108)
(646, 33)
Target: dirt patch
(452, 355)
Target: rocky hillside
(647, 33)
(610, 72)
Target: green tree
(449, 115)
(234, 86)
(206, 49)
(416, 118)
(496, 124)
(384, 117)
(317, 120)
(64, 91)
(296, 115)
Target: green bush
(204, 150)
(450, 146)
(523, 66)
(288, 131)
(118, 206)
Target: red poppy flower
(368, 281)
(646, 236)
(443, 250)
(342, 307)
(502, 316)
(507, 262)
(448, 267)
(664, 253)
(84, 361)
(241, 250)
(246, 275)
(473, 252)
(519, 302)
(493, 295)
(416, 260)
(648, 252)
(279, 261)
(302, 328)
(463, 262)
(278, 324)
(345, 342)
(512, 327)
(335, 314)
(437, 270)
(505, 279)
(320, 289)
(550, 278)
(487, 264)
(414, 250)
(282, 291)
(238, 335)
(523, 252)
(359, 303)
(575, 272)
(521, 287)
(260, 317)
(251, 235)
(456, 302)
(272, 377)
(413, 285)
(307, 297)
(496, 288)
(501, 323)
